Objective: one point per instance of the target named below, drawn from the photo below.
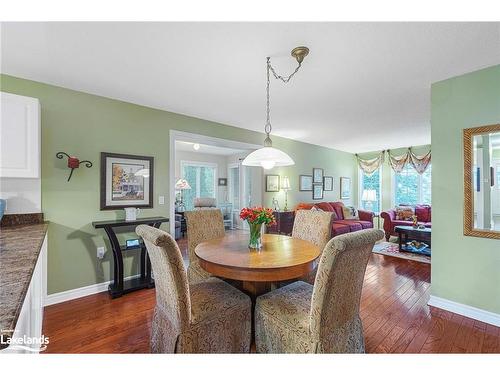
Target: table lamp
(369, 196)
(181, 185)
(285, 185)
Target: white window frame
(360, 188)
(393, 188)
(190, 163)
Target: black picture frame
(305, 181)
(328, 183)
(318, 175)
(222, 181)
(106, 192)
(272, 183)
(317, 192)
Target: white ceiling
(207, 149)
(364, 86)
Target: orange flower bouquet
(256, 216)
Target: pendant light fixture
(269, 157)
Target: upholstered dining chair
(202, 225)
(204, 203)
(324, 318)
(315, 227)
(205, 317)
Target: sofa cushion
(405, 213)
(339, 229)
(350, 213)
(423, 213)
(352, 224)
(401, 222)
(365, 224)
(325, 206)
(337, 206)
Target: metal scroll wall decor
(73, 162)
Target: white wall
(23, 195)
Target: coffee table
(407, 233)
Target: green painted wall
(464, 269)
(85, 125)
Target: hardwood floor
(394, 311)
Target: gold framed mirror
(482, 181)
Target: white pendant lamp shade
(268, 157)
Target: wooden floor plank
(394, 311)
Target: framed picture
(126, 181)
(318, 191)
(272, 183)
(345, 188)
(305, 182)
(328, 183)
(222, 182)
(317, 175)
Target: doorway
(212, 169)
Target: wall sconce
(73, 162)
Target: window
(370, 182)
(201, 177)
(412, 188)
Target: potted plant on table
(256, 216)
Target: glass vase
(255, 236)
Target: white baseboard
(68, 295)
(465, 310)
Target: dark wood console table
(119, 287)
(284, 223)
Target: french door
(202, 178)
(240, 185)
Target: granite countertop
(20, 246)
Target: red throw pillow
(423, 212)
(325, 206)
(304, 206)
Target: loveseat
(339, 224)
(423, 213)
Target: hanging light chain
(268, 128)
(281, 78)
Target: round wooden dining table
(280, 258)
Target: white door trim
(177, 135)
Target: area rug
(392, 249)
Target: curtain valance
(397, 163)
(419, 162)
(369, 166)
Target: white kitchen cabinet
(19, 136)
(29, 323)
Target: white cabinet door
(19, 136)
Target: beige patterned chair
(205, 317)
(202, 225)
(315, 227)
(205, 203)
(324, 318)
